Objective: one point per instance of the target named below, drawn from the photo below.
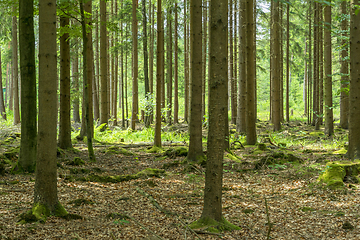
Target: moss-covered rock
(155, 149)
(341, 151)
(211, 225)
(233, 157)
(277, 158)
(317, 133)
(76, 162)
(336, 172)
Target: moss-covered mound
(337, 172)
(118, 150)
(176, 152)
(146, 173)
(76, 162)
(211, 225)
(40, 212)
(277, 158)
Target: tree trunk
(176, 88)
(135, 107)
(287, 60)
(354, 96)
(169, 56)
(65, 123)
(329, 125)
(28, 143)
(104, 114)
(205, 20)
(316, 116)
(241, 114)
(275, 78)
(45, 190)
(186, 67)
(96, 85)
(195, 126)
(2, 103)
(15, 72)
(159, 74)
(148, 106)
(75, 74)
(321, 64)
(344, 70)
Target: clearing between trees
(270, 189)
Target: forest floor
(143, 208)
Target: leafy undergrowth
(284, 172)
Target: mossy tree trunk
(45, 191)
(195, 126)
(354, 97)
(28, 143)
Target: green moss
(211, 225)
(76, 162)
(333, 175)
(155, 149)
(341, 151)
(176, 152)
(317, 133)
(233, 157)
(117, 150)
(60, 211)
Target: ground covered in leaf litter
(161, 207)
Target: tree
(344, 96)
(104, 112)
(135, 108)
(316, 116)
(15, 71)
(176, 96)
(2, 103)
(159, 74)
(287, 60)
(195, 126)
(146, 75)
(28, 143)
(354, 95)
(218, 86)
(45, 191)
(329, 125)
(186, 67)
(241, 111)
(169, 60)
(251, 75)
(65, 123)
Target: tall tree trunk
(96, 85)
(75, 74)
(2, 103)
(169, 56)
(15, 71)
(135, 107)
(45, 191)
(241, 114)
(329, 125)
(275, 78)
(344, 97)
(231, 65)
(27, 157)
(186, 67)
(309, 65)
(287, 60)
(151, 57)
(218, 87)
(203, 110)
(159, 74)
(176, 88)
(305, 98)
(321, 65)
(316, 115)
(87, 75)
(354, 96)
(148, 107)
(65, 123)
(195, 127)
(104, 114)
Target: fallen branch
(268, 220)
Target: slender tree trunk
(148, 107)
(176, 88)
(159, 74)
(281, 70)
(329, 125)
(151, 57)
(344, 97)
(204, 58)
(15, 71)
(354, 96)
(186, 67)
(321, 65)
(104, 114)
(316, 116)
(305, 98)
(287, 60)
(65, 123)
(27, 157)
(2, 103)
(75, 74)
(241, 114)
(96, 85)
(135, 108)
(309, 65)
(195, 126)
(275, 78)
(169, 56)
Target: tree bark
(287, 60)
(195, 126)
(344, 70)
(316, 116)
(135, 107)
(15, 71)
(104, 114)
(28, 143)
(329, 125)
(176, 87)
(186, 67)
(2, 103)
(354, 96)
(169, 56)
(148, 107)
